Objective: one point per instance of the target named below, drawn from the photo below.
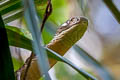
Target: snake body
(66, 36)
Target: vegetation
(14, 10)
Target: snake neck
(66, 39)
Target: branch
(113, 9)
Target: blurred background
(101, 40)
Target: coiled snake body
(66, 36)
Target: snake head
(72, 22)
(68, 34)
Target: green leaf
(60, 11)
(58, 57)
(32, 21)
(16, 63)
(12, 9)
(13, 17)
(101, 70)
(14, 5)
(8, 4)
(6, 65)
(17, 38)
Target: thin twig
(28, 63)
(113, 9)
(25, 67)
(47, 14)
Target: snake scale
(66, 36)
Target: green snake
(66, 36)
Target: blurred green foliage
(59, 13)
(46, 36)
(62, 72)
(40, 2)
(17, 63)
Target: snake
(66, 36)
